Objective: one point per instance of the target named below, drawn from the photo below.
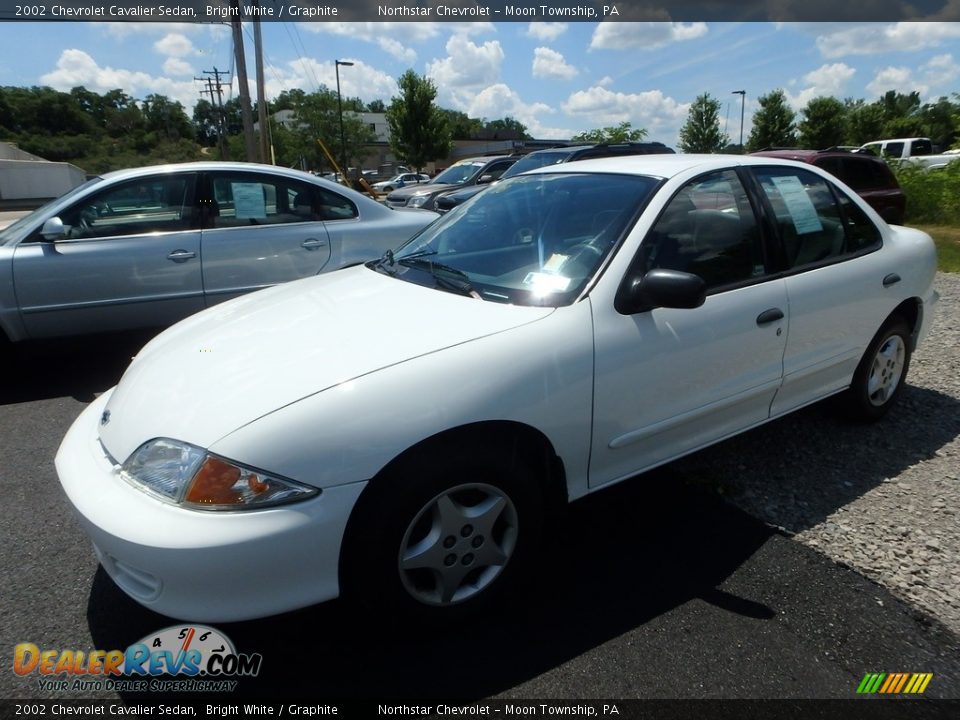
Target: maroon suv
(867, 174)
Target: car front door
(260, 230)
(669, 381)
(129, 257)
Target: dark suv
(470, 172)
(555, 156)
(865, 173)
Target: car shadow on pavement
(797, 471)
(618, 560)
(74, 367)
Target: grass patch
(947, 238)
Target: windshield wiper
(451, 279)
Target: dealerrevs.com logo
(187, 658)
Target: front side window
(162, 203)
(708, 229)
(531, 240)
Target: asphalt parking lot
(653, 589)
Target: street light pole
(343, 140)
(743, 102)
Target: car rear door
(260, 229)
(129, 258)
(835, 282)
(669, 381)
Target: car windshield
(458, 174)
(14, 228)
(530, 240)
(536, 160)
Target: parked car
(553, 156)
(464, 173)
(397, 432)
(401, 180)
(918, 151)
(866, 174)
(147, 247)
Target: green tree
(622, 133)
(773, 123)
(507, 128)
(864, 122)
(823, 124)
(318, 118)
(940, 122)
(418, 128)
(166, 117)
(461, 126)
(376, 106)
(701, 132)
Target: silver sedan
(147, 247)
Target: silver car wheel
(886, 370)
(458, 544)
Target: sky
(556, 78)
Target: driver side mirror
(484, 179)
(662, 288)
(53, 229)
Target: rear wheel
(880, 377)
(439, 538)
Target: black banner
(218, 11)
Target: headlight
(417, 201)
(192, 477)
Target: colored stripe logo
(894, 683)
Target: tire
(436, 539)
(881, 374)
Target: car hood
(234, 363)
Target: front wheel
(439, 539)
(882, 372)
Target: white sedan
(401, 180)
(397, 432)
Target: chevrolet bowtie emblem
(105, 418)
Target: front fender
(539, 374)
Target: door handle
(769, 316)
(179, 256)
(891, 279)
(313, 244)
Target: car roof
(662, 166)
(204, 165)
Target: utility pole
(743, 102)
(265, 154)
(215, 86)
(246, 112)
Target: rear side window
(242, 199)
(812, 226)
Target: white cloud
(395, 38)
(174, 45)
(605, 81)
(643, 35)
(549, 63)
(827, 80)
(467, 69)
(499, 101)
(125, 29)
(546, 30)
(932, 79)
(875, 39)
(653, 110)
(359, 80)
(176, 66)
(895, 78)
(76, 67)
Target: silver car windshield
(530, 240)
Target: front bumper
(210, 566)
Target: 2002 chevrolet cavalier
(397, 431)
